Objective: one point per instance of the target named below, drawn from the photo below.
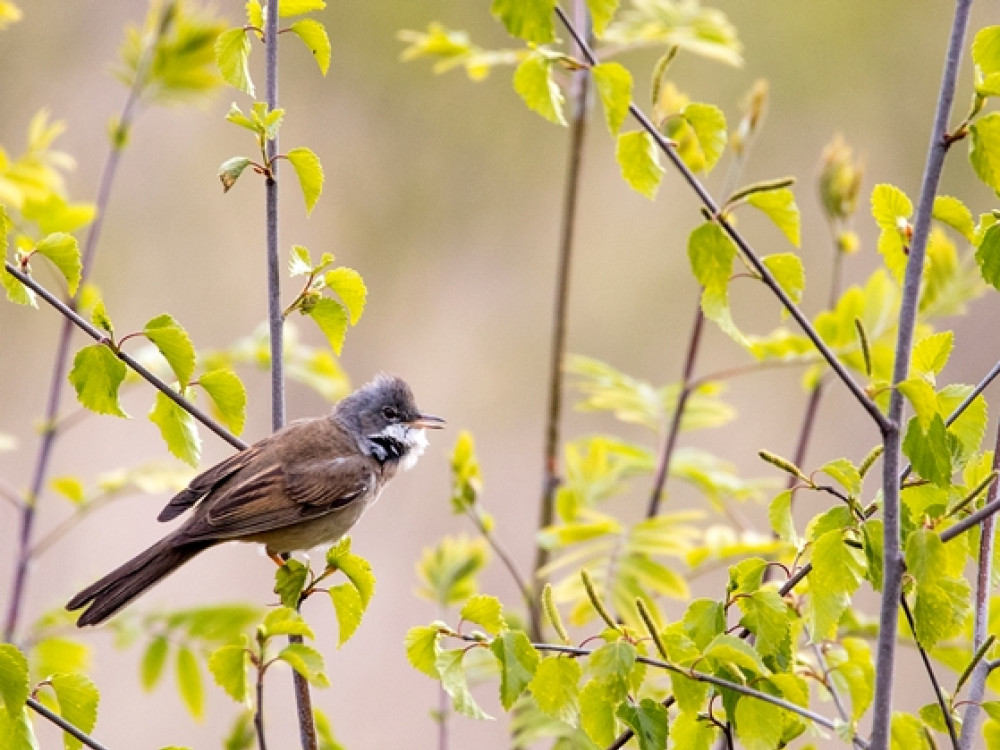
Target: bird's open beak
(428, 422)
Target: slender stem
(838, 702)
(981, 615)
(258, 712)
(58, 372)
(505, 558)
(670, 441)
(64, 725)
(669, 150)
(892, 563)
(99, 336)
(275, 318)
(935, 685)
(571, 192)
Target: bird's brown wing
(274, 497)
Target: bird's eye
(389, 412)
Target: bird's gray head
(383, 418)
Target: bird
(306, 484)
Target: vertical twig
(929, 668)
(49, 431)
(892, 564)
(550, 482)
(258, 714)
(981, 615)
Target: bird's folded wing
(202, 484)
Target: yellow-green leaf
(97, 374)
(153, 660)
(350, 287)
(529, 21)
(422, 648)
(64, 253)
(310, 173)
(288, 8)
(174, 344)
(14, 684)
(780, 207)
(229, 666)
(601, 13)
(307, 661)
(189, 681)
(518, 660)
(789, 272)
(229, 397)
(232, 55)
(177, 428)
(77, 697)
(534, 83)
(639, 160)
(230, 171)
(485, 611)
(556, 687)
(332, 319)
(452, 672)
(349, 609)
(614, 88)
(955, 214)
(986, 50)
(313, 35)
(984, 149)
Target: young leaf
(289, 580)
(614, 87)
(758, 724)
(988, 256)
(174, 344)
(789, 272)
(310, 173)
(349, 609)
(232, 55)
(928, 450)
(313, 35)
(355, 567)
(845, 474)
(78, 698)
(892, 210)
(779, 513)
(177, 428)
(691, 733)
(229, 397)
(230, 171)
(931, 353)
(601, 13)
(16, 291)
(235, 115)
(953, 212)
(64, 253)
(639, 160)
(984, 149)
(534, 83)
(597, 714)
(350, 287)
(288, 8)
(449, 667)
(986, 50)
(837, 572)
(648, 720)
(284, 621)
(518, 660)
(153, 660)
(299, 262)
(711, 254)
(529, 21)
(709, 127)
(100, 318)
(332, 319)
(307, 661)
(612, 665)
(780, 207)
(485, 611)
(14, 686)
(556, 687)
(448, 571)
(422, 649)
(97, 375)
(229, 666)
(189, 681)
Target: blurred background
(445, 195)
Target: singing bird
(305, 485)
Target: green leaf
(57, 654)
(765, 614)
(229, 666)
(837, 572)
(485, 611)
(307, 661)
(15, 290)
(228, 395)
(703, 620)
(708, 126)
(758, 724)
(422, 648)
(449, 667)
(892, 210)
(612, 665)
(189, 681)
(779, 513)
(174, 344)
(14, 686)
(988, 256)
(289, 580)
(71, 488)
(177, 428)
(288, 8)
(648, 720)
(235, 115)
(922, 398)
(350, 287)
(953, 212)
(97, 375)
(614, 88)
(518, 660)
(299, 262)
(77, 697)
(313, 35)
(931, 353)
(153, 660)
(984, 149)
(232, 55)
(556, 687)
(789, 272)
(845, 474)
(780, 207)
(690, 733)
(310, 173)
(639, 160)
(601, 13)
(727, 649)
(64, 253)
(16, 732)
(534, 83)
(284, 621)
(230, 171)
(928, 450)
(448, 571)
(597, 714)
(349, 608)
(332, 319)
(354, 566)
(529, 21)
(986, 50)
(711, 254)
(99, 317)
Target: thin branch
(98, 335)
(506, 558)
(258, 713)
(938, 692)
(838, 702)
(892, 561)
(58, 373)
(580, 83)
(669, 150)
(64, 725)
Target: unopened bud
(840, 179)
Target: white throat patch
(413, 439)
